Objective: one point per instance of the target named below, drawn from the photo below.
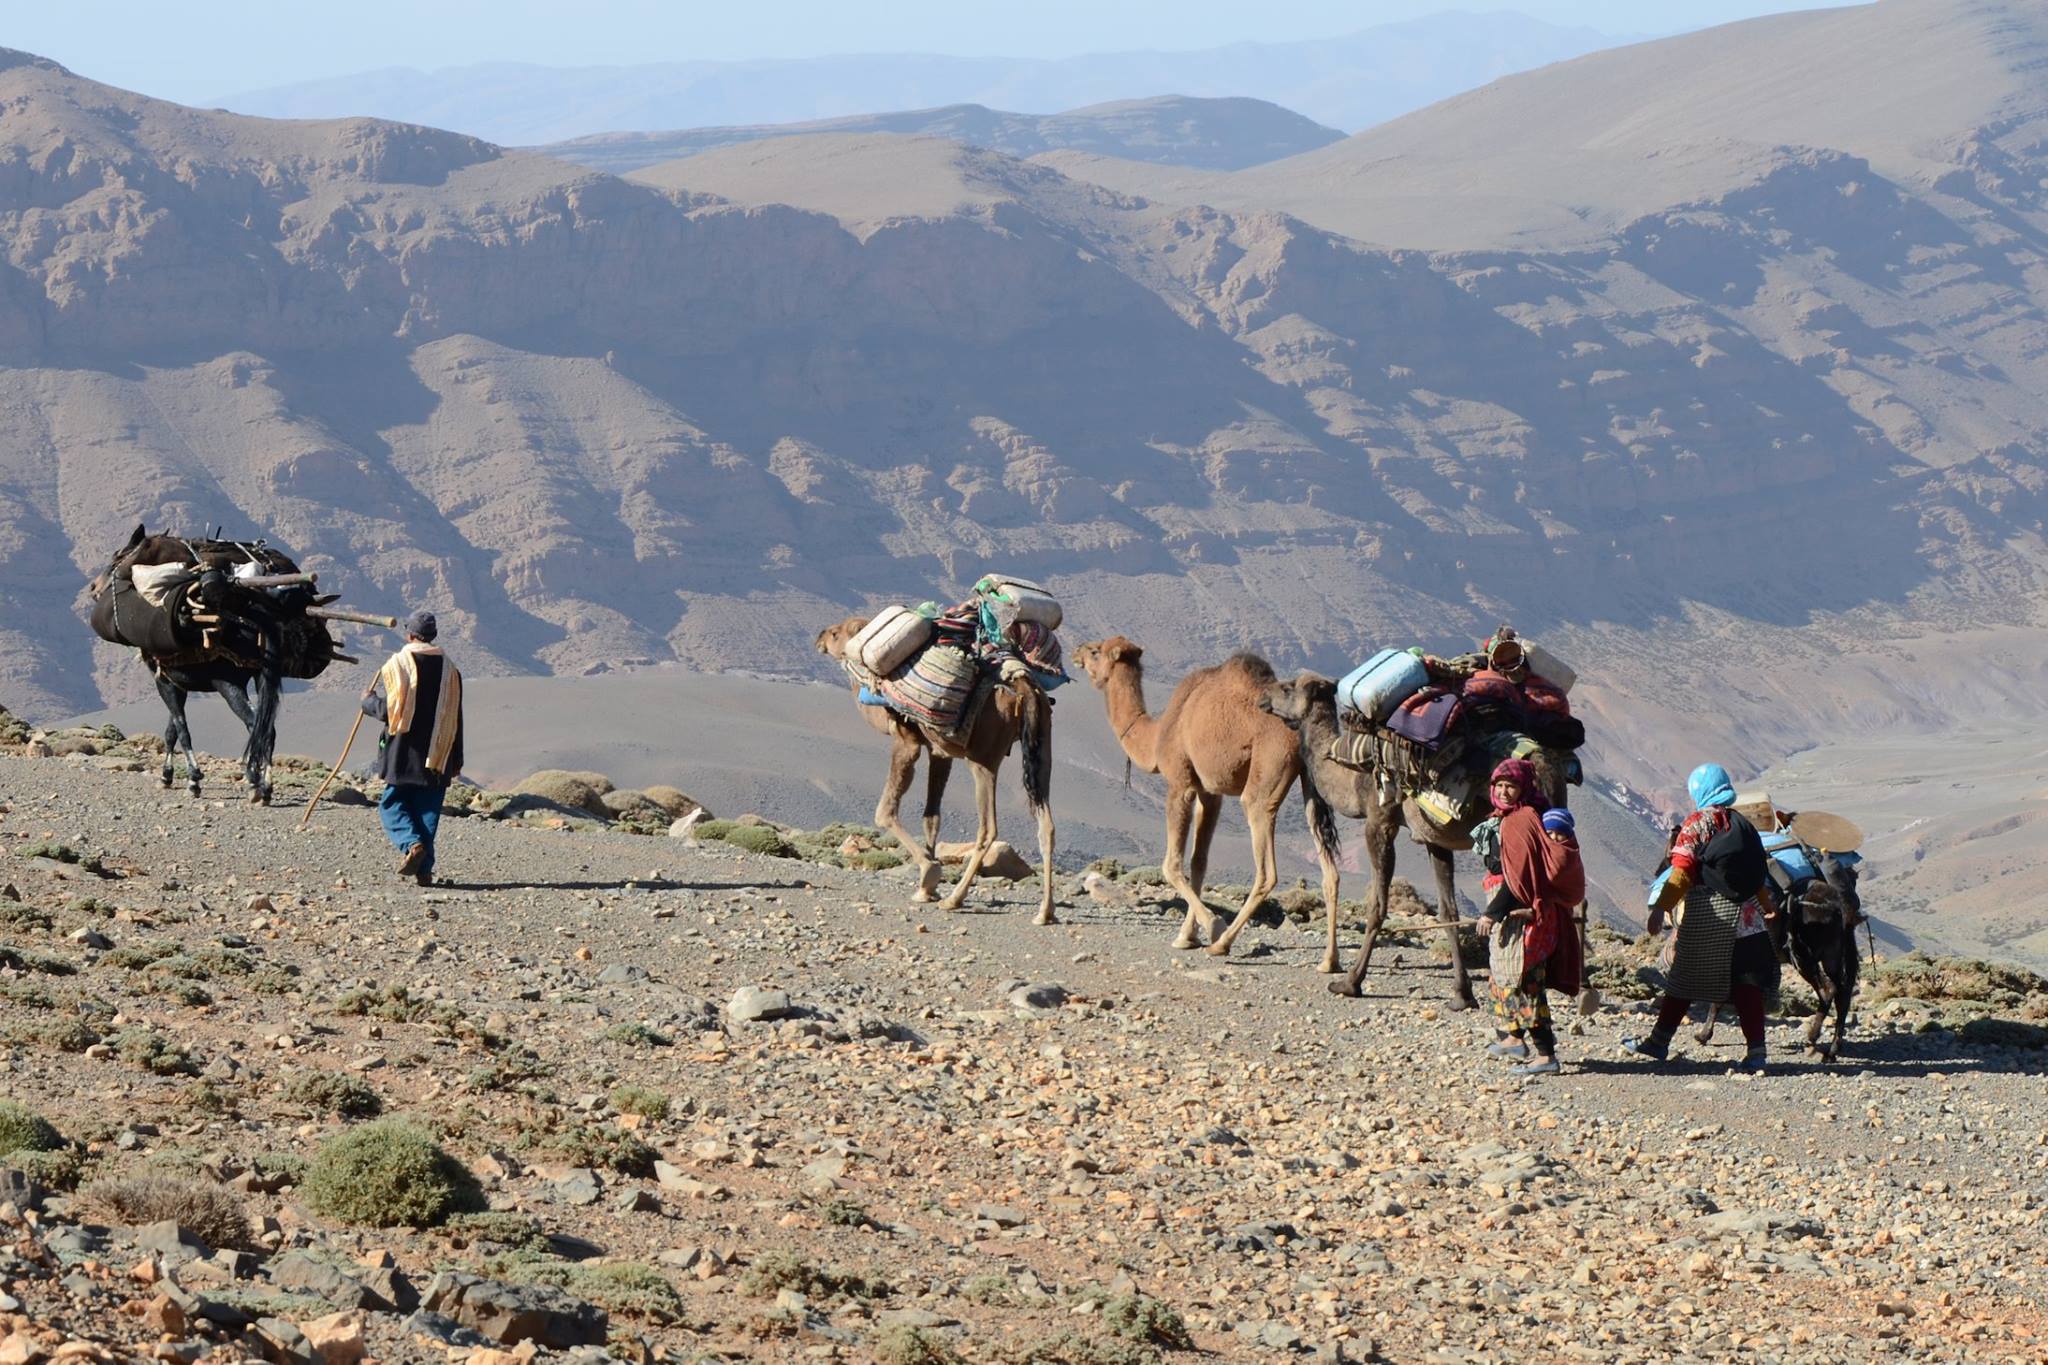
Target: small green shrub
(1072, 1348)
(58, 1170)
(24, 1130)
(907, 1345)
(636, 1035)
(764, 839)
(64, 1033)
(335, 1092)
(629, 1289)
(204, 1097)
(518, 1231)
(992, 1290)
(139, 956)
(27, 995)
(286, 1168)
(589, 1144)
(154, 1053)
(206, 1210)
(389, 1173)
(1140, 1317)
(634, 1099)
(22, 960)
(24, 919)
(774, 1271)
(189, 993)
(90, 905)
(845, 1213)
(878, 859)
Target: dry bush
(208, 1211)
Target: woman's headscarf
(1528, 786)
(1710, 785)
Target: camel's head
(832, 640)
(98, 582)
(1295, 699)
(1099, 658)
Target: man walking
(418, 696)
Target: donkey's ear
(137, 538)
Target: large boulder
(575, 791)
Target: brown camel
(1308, 704)
(1013, 712)
(1212, 741)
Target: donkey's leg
(164, 690)
(1705, 1032)
(178, 735)
(268, 687)
(236, 695)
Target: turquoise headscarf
(1710, 785)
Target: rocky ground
(676, 1100)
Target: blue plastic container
(1382, 683)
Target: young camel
(1014, 712)
(1211, 742)
(1308, 704)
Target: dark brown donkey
(227, 626)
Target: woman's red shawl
(1549, 878)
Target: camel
(1015, 711)
(1308, 704)
(1212, 741)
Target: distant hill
(1213, 134)
(1347, 82)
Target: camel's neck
(1347, 789)
(1135, 729)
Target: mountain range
(1734, 395)
(1348, 82)
(1206, 134)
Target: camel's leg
(1447, 912)
(178, 735)
(984, 834)
(903, 752)
(1705, 1032)
(1260, 813)
(938, 768)
(1208, 808)
(1381, 829)
(1180, 810)
(1045, 843)
(1330, 880)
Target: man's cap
(422, 624)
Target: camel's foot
(1346, 988)
(1330, 966)
(1046, 917)
(952, 902)
(1220, 948)
(922, 896)
(1185, 941)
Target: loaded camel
(1308, 704)
(251, 619)
(1014, 712)
(1212, 741)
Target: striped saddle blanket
(937, 688)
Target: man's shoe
(1652, 1048)
(410, 864)
(424, 878)
(1545, 1066)
(1502, 1048)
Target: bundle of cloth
(935, 665)
(1432, 727)
(200, 608)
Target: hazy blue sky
(182, 49)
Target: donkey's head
(98, 583)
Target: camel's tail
(1322, 820)
(1037, 745)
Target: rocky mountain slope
(1762, 459)
(1215, 134)
(1352, 81)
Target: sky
(193, 51)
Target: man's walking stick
(322, 790)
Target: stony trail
(1143, 1153)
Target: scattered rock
(509, 1313)
(751, 1004)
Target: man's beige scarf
(401, 678)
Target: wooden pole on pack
(361, 618)
(322, 791)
